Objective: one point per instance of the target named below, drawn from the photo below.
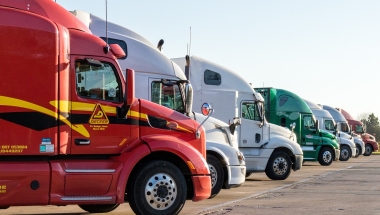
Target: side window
(99, 83)
(359, 128)
(121, 43)
(308, 122)
(344, 127)
(249, 111)
(212, 78)
(329, 125)
(168, 96)
(283, 100)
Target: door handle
(82, 142)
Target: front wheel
(278, 167)
(368, 150)
(217, 175)
(358, 151)
(345, 153)
(325, 157)
(158, 188)
(99, 208)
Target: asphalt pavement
(351, 187)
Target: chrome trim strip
(89, 170)
(87, 198)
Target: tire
(217, 175)
(248, 174)
(345, 153)
(325, 157)
(159, 187)
(99, 208)
(368, 150)
(279, 166)
(358, 151)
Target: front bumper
(337, 154)
(298, 162)
(202, 187)
(353, 150)
(236, 177)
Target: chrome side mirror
(206, 109)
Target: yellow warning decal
(98, 116)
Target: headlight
(240, 156)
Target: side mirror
(235, 122)
(189, 99)
(316, 126)
(292, 126)
(206, 109)
(128, 93)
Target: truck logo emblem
(98, 116)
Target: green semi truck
(286, 109)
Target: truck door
(251, 128)
(310, 139)
(96, 91)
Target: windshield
(329, 125)
(168, 96)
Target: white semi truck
(327, 123)
(345, 130)
(267, 147)
(160, 80)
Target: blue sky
(326, 51)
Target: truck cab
(327, 123)
(75, 133)
(267, 148)
(163, 82)
(357, 127)
(287, 109)
(345, 130)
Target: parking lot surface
(351, 187)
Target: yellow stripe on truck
(8, 101)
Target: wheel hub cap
(344, 153)
(160, 191)
(327, 157)
(280, 166)
(214, 175)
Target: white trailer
(160, 80)
(327, 123)
(345, 130)
(267, 147)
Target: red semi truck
(72, 131)
(357, 127)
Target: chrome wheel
(280, 166)
(344, 153)
(160, 191)
(214, 175)
(327, 156)
(368, 150)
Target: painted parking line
(210, 209)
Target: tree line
(371, 124)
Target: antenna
(190, 41)
(106, 25)
(106, 48)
